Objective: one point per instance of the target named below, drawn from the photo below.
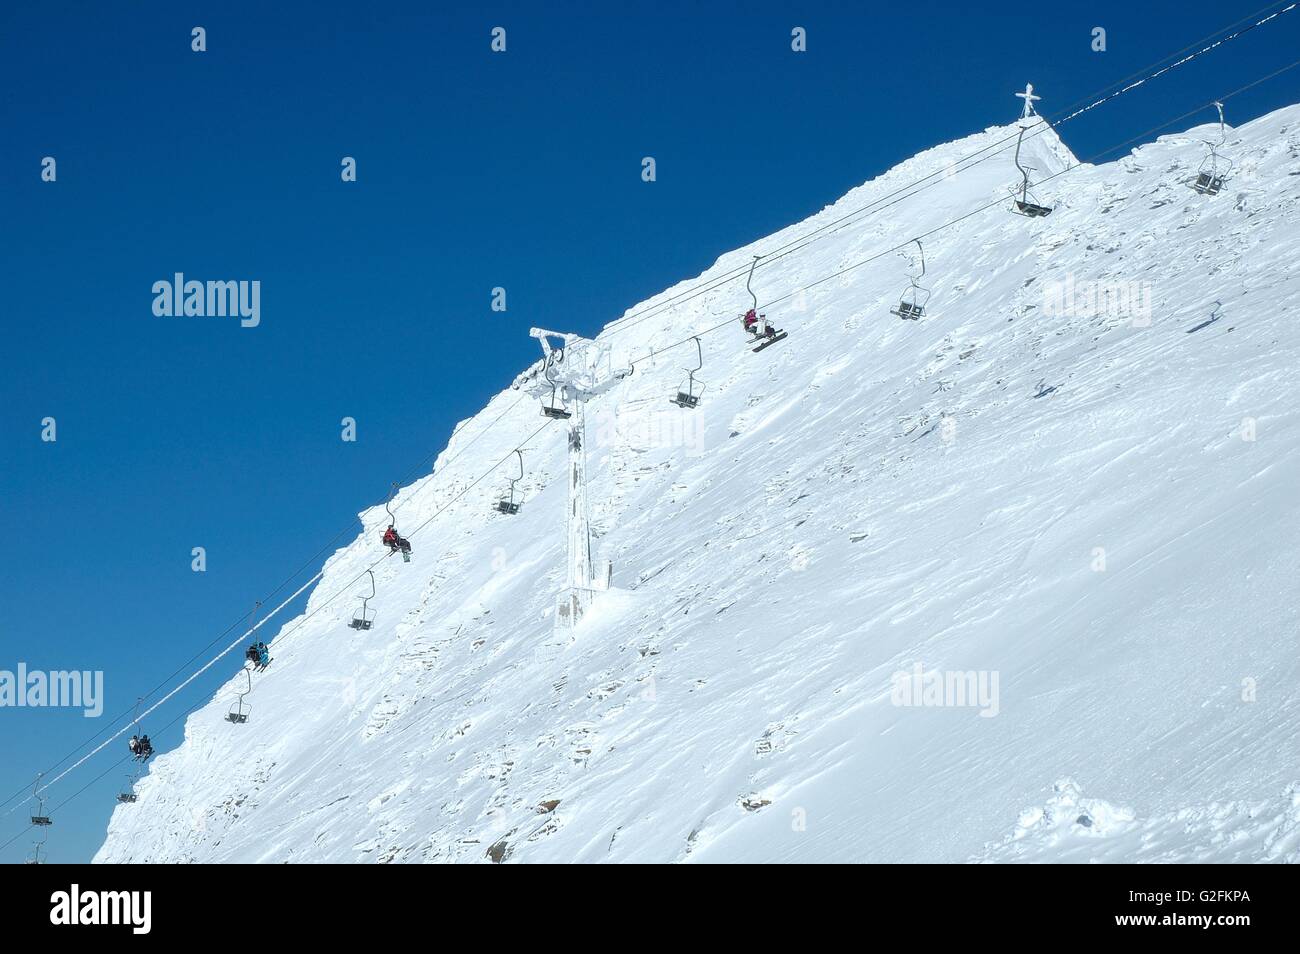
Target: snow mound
(1071, 828)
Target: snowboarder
(252, 655)
(144, 748)
(134, 745)
(263, 655)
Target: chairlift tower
(575, 371)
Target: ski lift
(238, 714)
(363, 618)
(1214, 168)
(757, 325)
(128, 797)
(40, 819)
(555, 409)
(509, 504)
(398, 543)
(688, 395)
(141, 747)
(35, 857)
(1026, 204)
(915, 308)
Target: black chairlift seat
(1208, 184)
(907, 311)
(556, 413)
(507, 506)
(43, 821)
(127, 798)
(1031, 209)
(237, 716)
(686, 400)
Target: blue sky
(475, 170)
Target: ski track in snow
(866, 495)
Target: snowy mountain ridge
(819, 572)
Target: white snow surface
(1097, 512)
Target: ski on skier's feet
(779, 336)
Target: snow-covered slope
(1093, 516)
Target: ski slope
(1097, 511)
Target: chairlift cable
(285, 636)
(802, 241)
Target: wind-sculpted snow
(889, 584)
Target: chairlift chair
(364, 618)
(392, 525)
(35, 857)
(1214, 168)
(689, 394)
(40, 819)
(509, 505)
(762, 330)
(912, 310)
(238, 714)
(555, 409)
(1026, 204)
(128, 797)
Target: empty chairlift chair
(364, 618)
(128, 797)
(1026, 204)
(39, 818)
(688, 395)
(911, 305)
(238, 714)
(510, 504)
(1214, 168)
(555, 408)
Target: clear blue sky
(475, 170)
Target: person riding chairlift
(395, 542)
(751, 322)
(140, 747)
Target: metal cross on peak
(1029, 98)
